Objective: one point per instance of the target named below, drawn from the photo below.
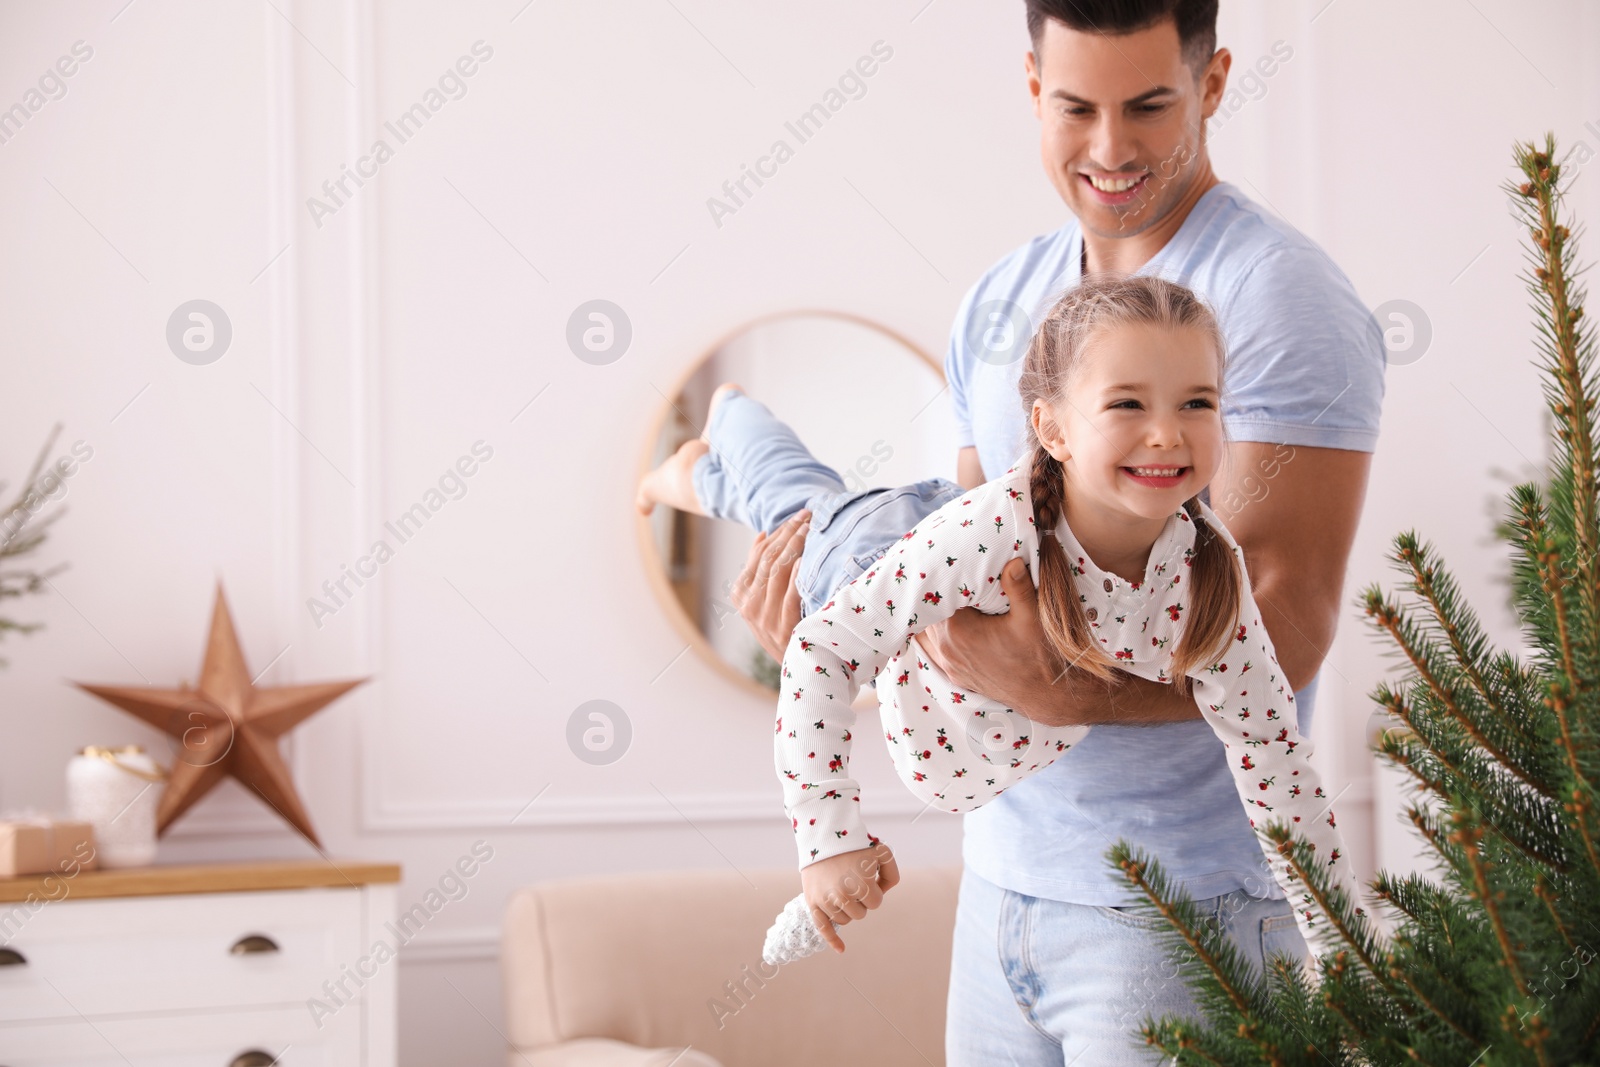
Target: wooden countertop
(207, 878)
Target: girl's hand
(846, 887)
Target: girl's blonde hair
(1055, 355)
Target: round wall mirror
(866, 401)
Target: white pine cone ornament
(793, 936)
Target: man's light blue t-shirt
(1305, 367)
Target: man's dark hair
(1196, 21)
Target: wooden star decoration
(227, 727)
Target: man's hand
(846, 887)
(1006, 657)
(764, 594)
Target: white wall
(430, 312)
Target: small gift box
(42, 845)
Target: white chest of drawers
(239, 965)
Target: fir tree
(20, 536)
(1490, 961)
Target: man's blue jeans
(758, 473)
(1036, 982)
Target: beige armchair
(648, 970)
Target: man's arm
(969, 471)
(1293, 511)
(1007, 658)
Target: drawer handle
(10, 957)
(254, 1058)
(250, 945)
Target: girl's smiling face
(1140, 420)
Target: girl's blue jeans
(758, 473)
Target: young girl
(1122, 387)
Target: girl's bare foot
(672, 483)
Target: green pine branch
(1223, 982)
(1497, 716)
(21, 534)
(1460, 720)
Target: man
(1050, 964)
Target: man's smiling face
(1122, 131)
